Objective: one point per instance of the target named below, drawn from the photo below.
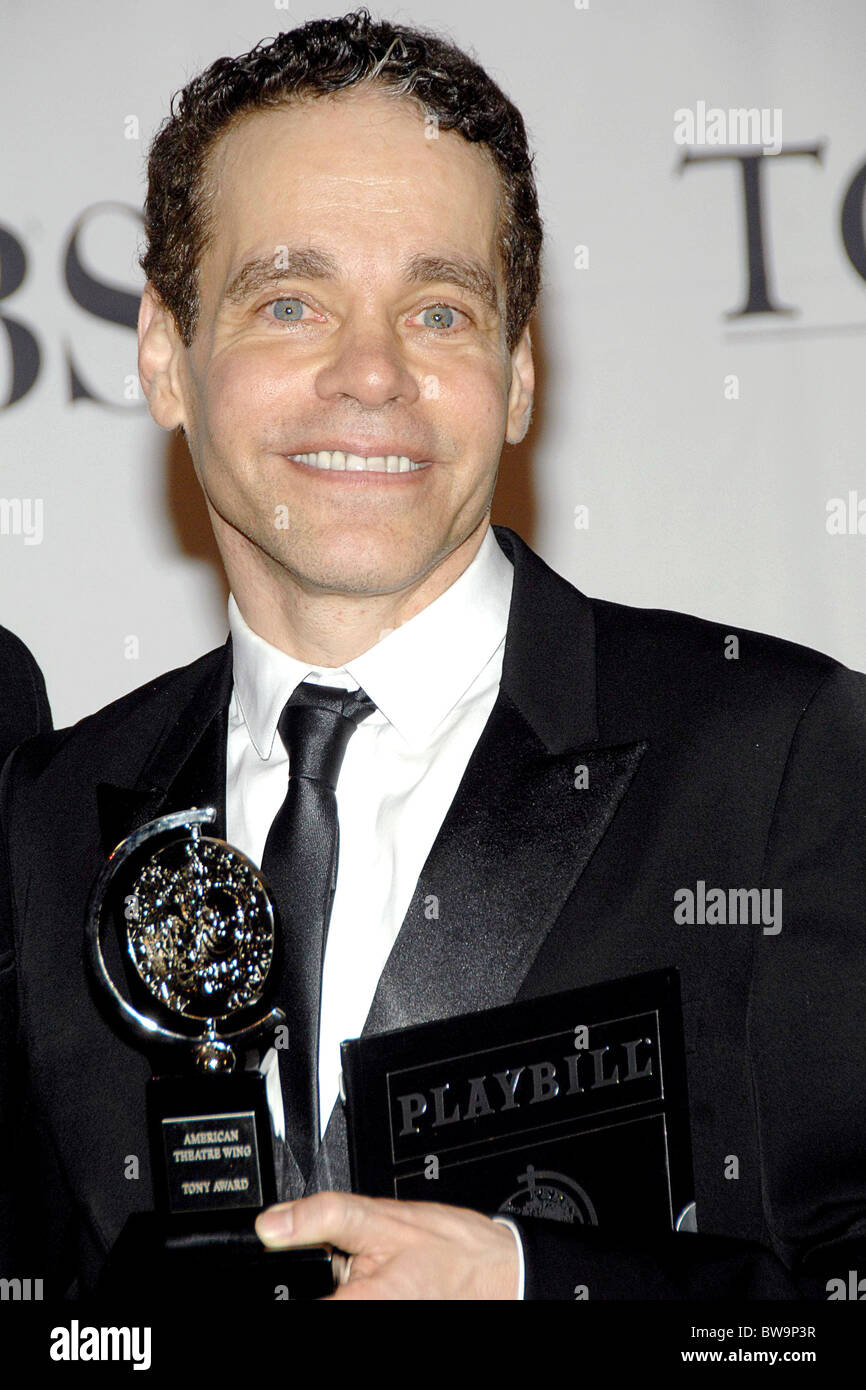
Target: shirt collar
(416, 674)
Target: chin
(357, 565)
(361, 574)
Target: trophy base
(158, 1258)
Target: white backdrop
(706, 449)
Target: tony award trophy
(195, 941)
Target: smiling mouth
(335, 461)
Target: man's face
(362, 348)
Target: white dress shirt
(434, 681)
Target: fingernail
(276, 1222)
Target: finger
(353, 1224)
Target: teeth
(354, 463)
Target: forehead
(355, 171)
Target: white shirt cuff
(521, 1263)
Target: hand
(399, 1249)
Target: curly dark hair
(322, 56)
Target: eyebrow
(311, 264)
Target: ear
(521, 391)
(159, 350)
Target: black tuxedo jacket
(741, 771)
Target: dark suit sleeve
(24, 711)
(11, 1117)
(24, 708)
(806, 1042)
(36, 1208)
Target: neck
(326, 627)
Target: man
(337, 317)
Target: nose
(368, 365)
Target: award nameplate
(572, 1107)
(196, 943)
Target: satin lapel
(517, 837)
(524, 822)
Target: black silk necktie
(300, 866)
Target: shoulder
(670, 675)
(17, 659)
(684, 669)
(654, 635)
(654, 648)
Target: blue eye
(288, 310)
(440, 310)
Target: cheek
(478, 379)
(478, 400)
(244, 394)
